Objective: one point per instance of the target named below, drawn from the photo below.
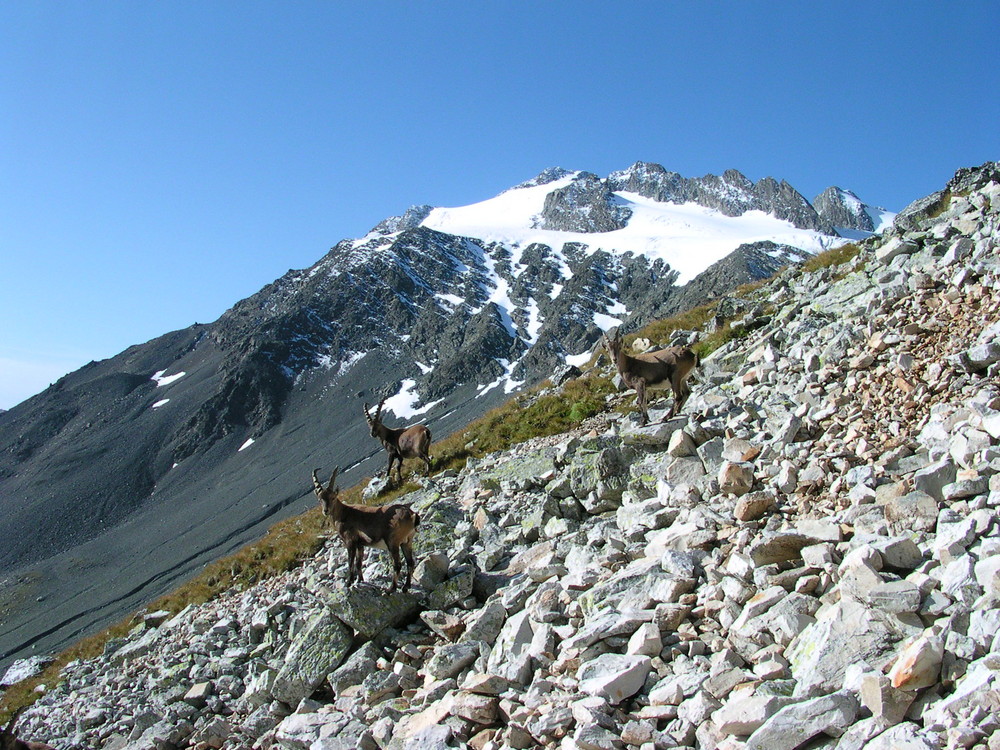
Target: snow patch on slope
(162, 380)
(404, 403)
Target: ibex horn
(333, 478)
(316, 484)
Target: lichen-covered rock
(323, 644)
(368, 610)
(844, 633)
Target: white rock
(744, 714)
(614, 676)
(918, 663)
(795, 724)
(645, 641)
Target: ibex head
(612, 344)
(376, 421)
(329, 495)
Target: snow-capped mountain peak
(686, 235)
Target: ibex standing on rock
(9, 741)
(388, 527)
(400, 442)
(666, 368)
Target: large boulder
(319, 649)
(368, 610)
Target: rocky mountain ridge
(127, 475)
(809, 554)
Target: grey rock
(356, 667)
(933, 478)
(450, 659)
(896, 246)
(895, 597)
(904, 736)
(844, 633)
(795, 724)
(22, 669)
(656, 433)
(485, 623)
(614, 676)
(915, 511)
(368, 610)
(317, 651)
(743, 714)
(436, 737)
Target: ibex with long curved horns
(666, 368)
(388, 527)
(9, 741)
(400, 442)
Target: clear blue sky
(161, 160)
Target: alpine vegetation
(807, 555)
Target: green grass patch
(718, 338)
(529, 415)
(689, 320)
(833, 257)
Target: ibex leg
(640, 392)
(351, 553)
(408, 554)
(359, 563)
(681, 392)
(396, 567)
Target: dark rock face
(748, 263)
(732, 194)
(585, 205)
(842, 208)
(545, 177)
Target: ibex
(666, 368)
(9, 741)
(400, 442)
(388, 527)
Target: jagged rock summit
(808, 555)
(129, 474)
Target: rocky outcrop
(409, 220)
(585, 205)
(731, 194)
(843, 209)
(808, 555)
